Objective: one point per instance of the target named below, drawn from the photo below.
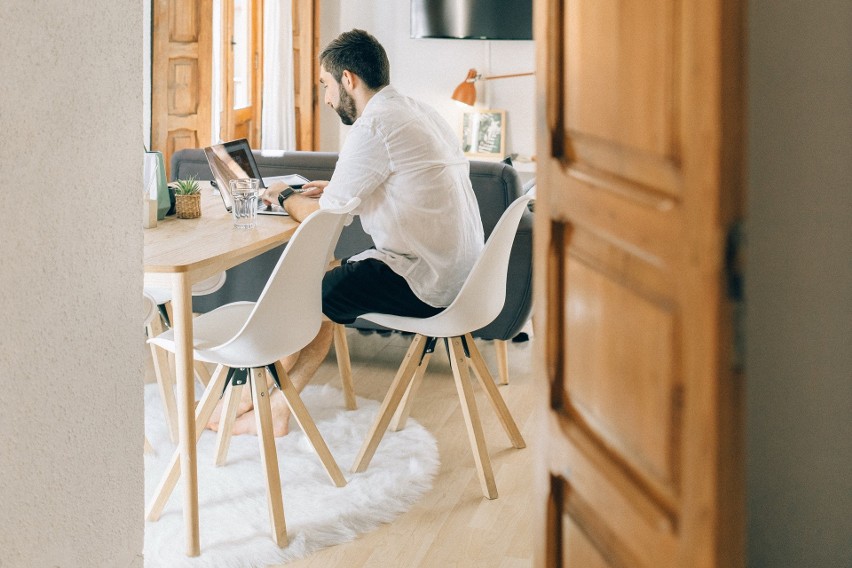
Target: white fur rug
(234, 519)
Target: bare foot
(244, 406)
(247, 423)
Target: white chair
(163, 296)
(247, 338)
(149, 310)
(163, 364)
(477, 304)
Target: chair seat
(202, 288)
(211, 330)
(449, 323)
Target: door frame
(230, 117)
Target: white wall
(429, 69)
(799, 285)
(71, 341)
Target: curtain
(278, 124)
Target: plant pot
(188, 206)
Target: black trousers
(356, 288)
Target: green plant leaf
(188, 186)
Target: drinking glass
(244, 193)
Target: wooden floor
(454, 525)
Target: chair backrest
(484, 292)
(149, 308)
(288, 313)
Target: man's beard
(346, 107)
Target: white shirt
(406, 165)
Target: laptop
(234, 160)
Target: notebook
(234, 160)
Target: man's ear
(348, 79)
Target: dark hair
(360, 53)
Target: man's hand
(314, 188)
(300, 205)
(303, 204)
(270, 194)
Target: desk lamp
(465, 93)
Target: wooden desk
(178, 253)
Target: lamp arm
(506, 76)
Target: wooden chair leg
(400, 382)
(169, 312)
(202, 415)
(308, 426)
(497, 402)
(230, 404)
(341, 350)
(201, 373)
(165, 380)
(268, 455)
(400, 417)
(502, 348)
(471, 419)
(148, 448)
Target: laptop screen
(231, 160)
(234, 160)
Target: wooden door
(181, 75)
(306, 72)
(640, 186)
(242, 70)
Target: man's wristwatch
(284, 195)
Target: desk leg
(185, 378)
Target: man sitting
(405, 164)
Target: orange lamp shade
(466, 91)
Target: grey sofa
(496, 185)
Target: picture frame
(484, 133)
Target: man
(405, 164)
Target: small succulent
(187, 186)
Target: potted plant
(187, 198)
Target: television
(471, 19)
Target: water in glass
(244, 193)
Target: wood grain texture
(230, 404)
(181, 75)
(306, 16)
(165, 378)
(268, 455)
(209, 244)
(639, 179)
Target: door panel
(587, 542)
(621, 102)
(181, 138)
(622, 367)
(306, 72)
(639, 179)
(242, 70)
(181, 75)
(582, 551)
